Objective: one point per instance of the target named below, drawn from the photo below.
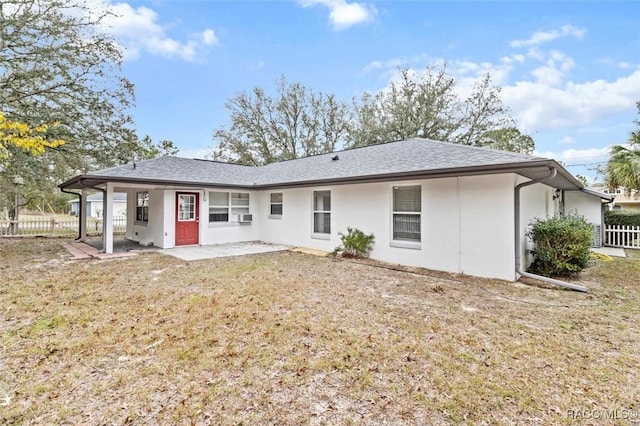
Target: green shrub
(355, 243)
(621, 218)
(563, 245)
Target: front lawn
(291, 338)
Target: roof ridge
(353, 148)
(218, 161)
(486, 148)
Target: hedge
(621, 218)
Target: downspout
(79, 210)
(552, 173)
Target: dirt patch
(289, 338)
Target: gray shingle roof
(177, 169)
(395, 158)
(411, 155)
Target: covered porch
(141, 229)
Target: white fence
(622, 236)
(55, 227)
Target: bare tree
(295, 122)
(428, 104)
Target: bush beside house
(355, 243)
(562, 245)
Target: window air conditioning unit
(245, 218)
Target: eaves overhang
(90, 181)
(607, 197)
(529, 169)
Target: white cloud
(537, 85)
(540, 37)
(209, 37)
(258, 65)
(573, 156)
(389, 65)
(202, 153)
(555, 68)
(538, 106)
(343, 14)
(138, 30)
(567, 140)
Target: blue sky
(569, 71)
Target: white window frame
(405, 242)
(236, 203)
(320, 235)
(142, 204)
(272, 203)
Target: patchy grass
(290, 338)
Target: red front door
(187, 218)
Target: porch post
(107, 219)
(82, 215)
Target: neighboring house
(624, 200)
(94, 205)
(430, 204)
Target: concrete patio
(189, 253)
(91, 249)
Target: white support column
(107, 219)
(82, 215)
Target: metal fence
(622, 236)
(55, 227)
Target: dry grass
(290, 338)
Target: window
(407, 202)
(186, 207)
(142, 206)
(223, 206)
(239, 203)
(322, 212)
(275, 207)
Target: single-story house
(430, 204)
(94, 205)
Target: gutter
(344, 180)
(552, 173)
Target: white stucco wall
(160, 229)
(536, 202)
(487, 226)
(466, 223)
(151, 232)
(589, 206)
(221, 233)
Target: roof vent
(335, 158)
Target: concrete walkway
(610, 251)
(222, 250)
